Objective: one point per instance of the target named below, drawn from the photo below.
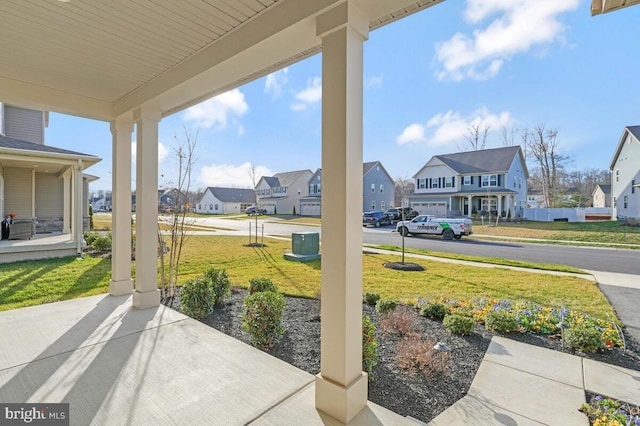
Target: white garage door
(437, 209)
(310, 209)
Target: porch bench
(21, 229)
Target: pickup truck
(427, 224)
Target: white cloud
(227, 175)
(163, 152)
(515, 27)
(309, 96)
(412, 133)
(275, 82)
(216, 111)
(375, 81)
(451, 127)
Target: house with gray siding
(625, 175)
(377, 190)
(40, 184)
(216, 200)
(281, 193)
(465, 183)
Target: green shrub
(196, 298)
(459, 324)
(501, 321)
(261, 284)
(584, 339)
(433, 310)
(262, 318)
(371, 298)
(369, 346)
(385, 306)
(102, 243)
(90, 237)
(220, 284)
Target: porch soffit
(603, 6)
(102, 59)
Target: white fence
(571, 215)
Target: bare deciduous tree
(177, 223)
(544, 147)
(476, 136)
(508, 136)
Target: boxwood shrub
(262, 318)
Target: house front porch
(40, 246)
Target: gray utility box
(305, 243)
(305, 246)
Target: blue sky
(505, 63)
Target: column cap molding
(121, 123)
(345, 15)
(140, 114)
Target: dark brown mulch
(419, 396)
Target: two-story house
(377, 190)
(601, 196)
(216, 200)
(625, 175)
(281, 193)
(41, 184)
(465, 183)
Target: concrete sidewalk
(623, 292)
(520, 384)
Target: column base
(341, 403)
(120, 288)
(146, 300)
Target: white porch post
(341, 386)
(470, 205)
(66, 206)
(77, 207)
(146, 294)
(121, 282)
(499, 205)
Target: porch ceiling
(103, 59)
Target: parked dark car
(253, 211)
(396, 213)
(376, 219)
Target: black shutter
(499, 176)
(471, 180)
(479, 181)
(440, 185)
(453, 182)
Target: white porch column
(121, 282)
(66, 206)
(341, 386)
(78, 236)
(499, 205)
(146, 294)
(470, 205)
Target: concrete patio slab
(42, 331)
(141, 367)
(612, 381)
(537, 398)
(554, 365)
(300, 410)
(472, 411)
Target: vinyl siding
(24, 124)
(49, 195)
(17, 192)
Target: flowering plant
(11, 215)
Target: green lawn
(601, 232)
(51, 280)
(30, 283)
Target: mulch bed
(417, 395)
